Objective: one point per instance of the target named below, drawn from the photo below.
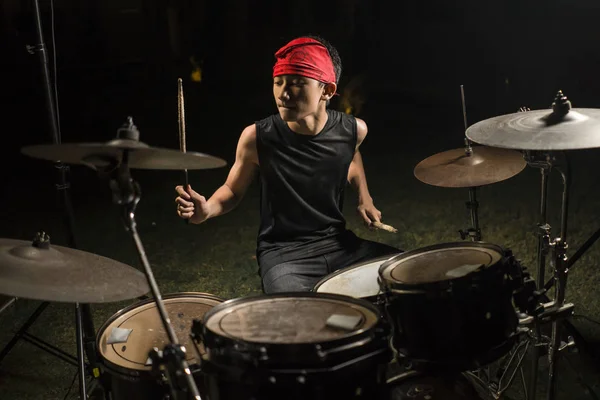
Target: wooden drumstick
(387, 228)
(181, 121)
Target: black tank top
(303, 179)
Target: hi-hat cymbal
(484, 165)
(540, 130)
(63, 274)
(141, 156)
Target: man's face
(296, 96)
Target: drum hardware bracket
(550, 312)
(167, 362)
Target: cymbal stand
(561, 268)
(84, 326)
(543, 161)
(557, 310)
(474, 232)
(126, 193)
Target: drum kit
(439, 314)
(422, 324)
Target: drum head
(289, 319)
(358, 280)
(129, 349)
(440, 263)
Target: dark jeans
(302, 275)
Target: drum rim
(341, 271)
(333, 296)
(113, 367)
(403, 286)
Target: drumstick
(387, 228)
(181, 122)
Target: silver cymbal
(579, 128)
(36, 270)
(141, 156)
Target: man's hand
(369, 213)
(191, 205)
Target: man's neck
(311, 125)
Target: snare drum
(358, 280)
(450, 305)
(126, 339)
(294, 346)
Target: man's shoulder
(340, 116)
(267, 120)
(268, 125)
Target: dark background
(403, 62)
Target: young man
(306, 154)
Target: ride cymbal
(483, 166)
(561, 128)
(37, 270)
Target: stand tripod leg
(38, 311)
(80, 352)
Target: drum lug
(322, 354)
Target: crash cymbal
(38, 270)
(484, 165)
(141, 156)
(579, 128)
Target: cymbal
(485, 165)
(63, 274)
(141, 156)
(540, 130)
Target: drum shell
(139, 383)
(461, 323)
(353, 366)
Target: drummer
(306, 154)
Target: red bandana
(305, 57)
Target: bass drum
(419, 386)
(451, 305)
(294, 346)
(126, 339)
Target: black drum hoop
(392, 286)
(238, 351)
